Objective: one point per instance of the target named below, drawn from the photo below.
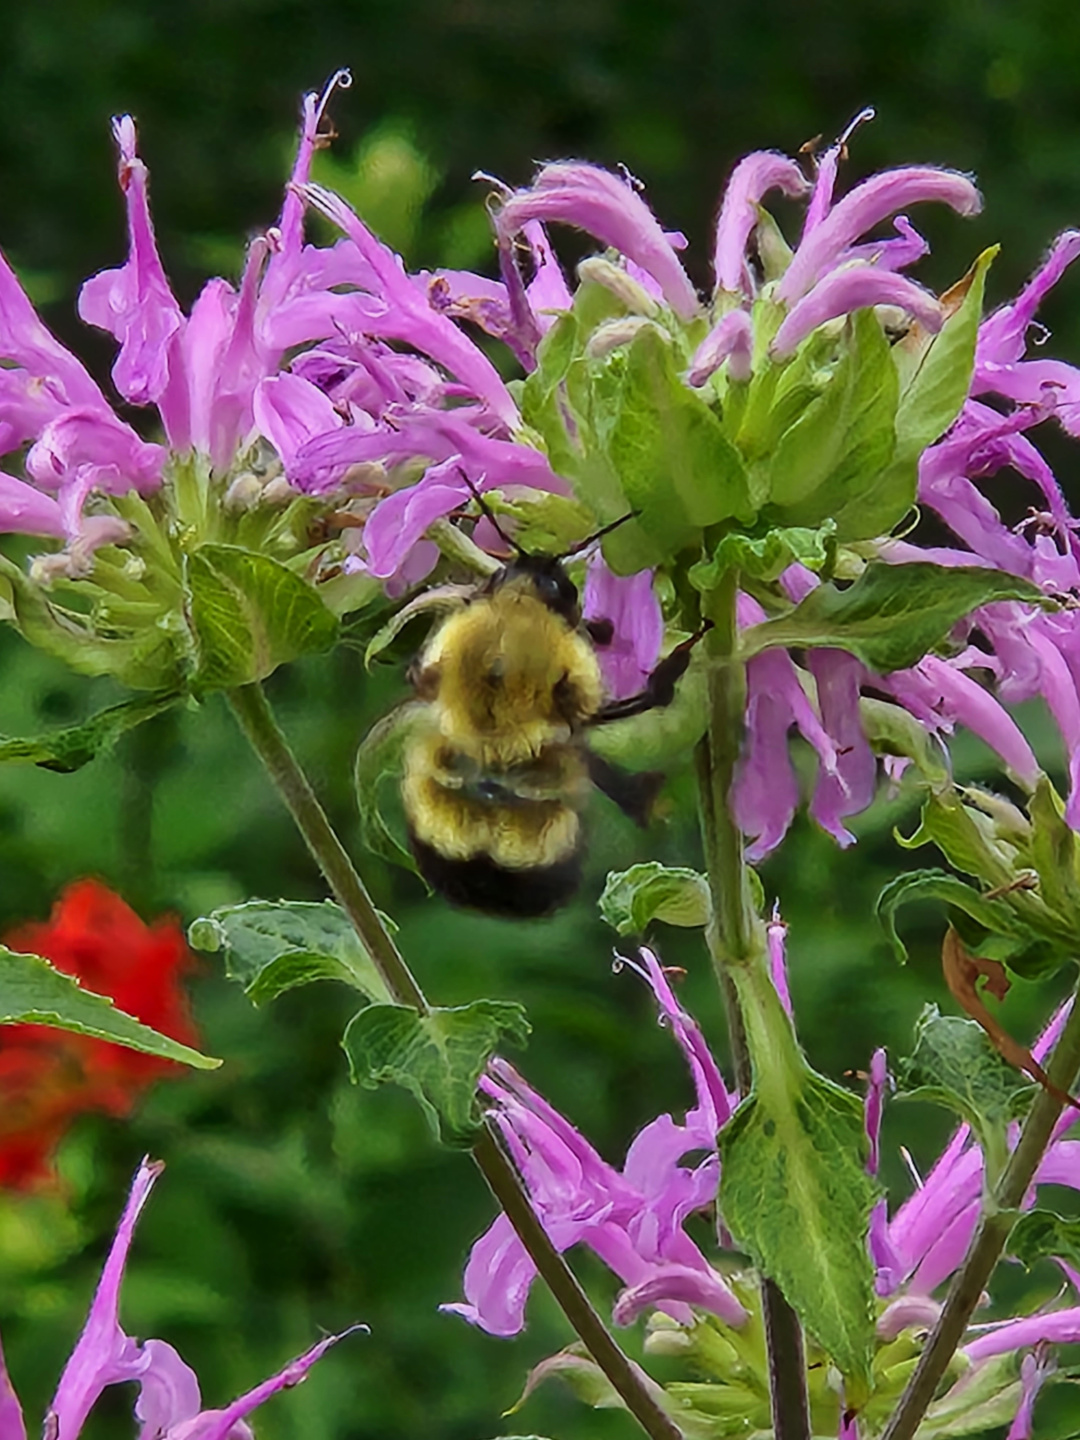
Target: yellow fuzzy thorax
(510, 677)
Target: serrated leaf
(33, 993)
(677, 468)
(954, 1064)
(271, 947)
(377, 777)
(933, 884)
(439, 1057)
(74, 746)
(249, 614)
(796, 1196)
(845, 437)
(892, 615)
(633, 898)
(764, 557)
(1044, 1235)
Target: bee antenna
(487, 511)
(598, 534)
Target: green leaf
(993, 915)
(662, 736)
(1043, 1235)
(440, 598)
(33, 993)
(892, 615)
(586, 1380)
(1054, 855)
(845, 437)
(249, 614)
(677, 468)
(930, 401)
(955, 1065)
(633, 898)
(273, 947)
(439, 1057)
(76, 745)
(965, 837)
(377, 776)
(892, 730)
(765, 557)
(796, 1196)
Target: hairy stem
(256, 720)
(737, 939)
(970, 1281)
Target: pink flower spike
(104, 1355)
(11, 1416)
(608, 207)
(135, 303)
(753, 177)
(865, 206)
(853, 288)
(413, 319)
(731, 339)
(630, 603)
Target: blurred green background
(292, 1201)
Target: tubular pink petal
(875, 1104)
(104, 1354)
(967, 703)
(848, 786)
(1003, 335)
(776, 938)
(399, 521)
(682, 1285)
(26, 511)
(630, 603)
(135, 303)
(903, 1314)
(754, 176)
(608, 207)
(1058, 1327)
(731, 339)
(867, 205)
(1034, 1371)
(11, 1416)
(413, 318)
(290, 411)
(853, 288)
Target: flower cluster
(634, 1221)
(168, 1405)
(49, 1076)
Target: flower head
(49, 1076)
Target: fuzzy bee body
(496, 769)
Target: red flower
(48, 1076)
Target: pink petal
(290, 412)
(848, 289)
(731, 339)
(11, 1417)
(630, 603)
(754, 176)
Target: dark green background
(292, 1201)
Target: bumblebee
(496, 772)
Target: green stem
(256, 720)
(970, 1281)
(737, 944)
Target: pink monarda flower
(168, 1405)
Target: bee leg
(633, 792)
(659, 687)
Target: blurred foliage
(292, 1200)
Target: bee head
(545, 576)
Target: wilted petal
(225, 1424)
(11, 1418)
(731, 339)
(609, 208)
(410, 318)
(865, 206)
(135, 303)
(853, 288)
(753, 177)
(680, 1284)
(104, 1355)
(630, 603)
